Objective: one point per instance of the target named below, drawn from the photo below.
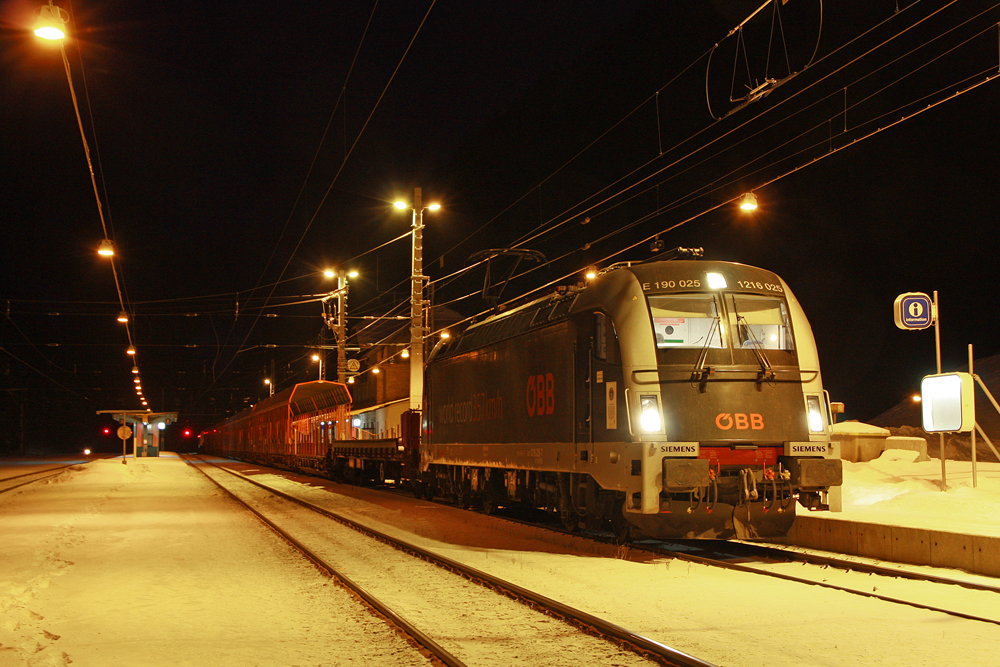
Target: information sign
(914, 311)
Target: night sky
(235, 147)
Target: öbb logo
(740, 421)
(540, 395)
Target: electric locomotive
(667, 398)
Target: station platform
(895, 510)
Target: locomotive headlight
(716, 281)
(814, 413)
(649, 414)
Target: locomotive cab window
(681, 321)
(762, 323)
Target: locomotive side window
(760, 321)
(686, 321)
(605, 339)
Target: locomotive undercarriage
(740, 502)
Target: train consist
(664, 398)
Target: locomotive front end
(724, 399)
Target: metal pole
(341, 327)
(937, 348)
(417, 307)
(975, 482)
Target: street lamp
(748, 202)
(417, 329)
(316, 357)
(270, 386)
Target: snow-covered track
(734, 556)
(16, 481)
(533, 618)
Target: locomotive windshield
(760, 321)
(681, 321)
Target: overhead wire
(343, 163)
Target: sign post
(124, 432)
(915, 311)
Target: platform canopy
(140, 416)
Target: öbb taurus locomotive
(679, 398)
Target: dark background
(240, 148)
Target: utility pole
(417, 306)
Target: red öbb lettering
(740, 421)
(540, 395)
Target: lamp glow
(130, 350)
(123, 317)
(51, 24)
(106, 249)
(748, 202)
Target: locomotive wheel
(489, 503)
(619, 525)
(570, 520)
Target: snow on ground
(149, 565)
(896, 490)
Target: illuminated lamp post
(417, 329)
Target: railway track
(461, 609)
(17, 481)
(857, 578)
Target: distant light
(329, 273)
(748, 202)
(86, 452)
(160, 425)
(187, 433)
(315, 357)
(352, 274)
(375, 370)
(446, 334)
(123, 316)
(130, 350)
(350, 380)
(406, 353)
(591, 273)
(716, 281)
(434, 207)
(106, 249)
(356, 422)
(401, 205)
(135, 369)
(267, 381)
(916, 398)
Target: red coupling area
(725, 456)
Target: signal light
(187, 433)
(107, 431)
